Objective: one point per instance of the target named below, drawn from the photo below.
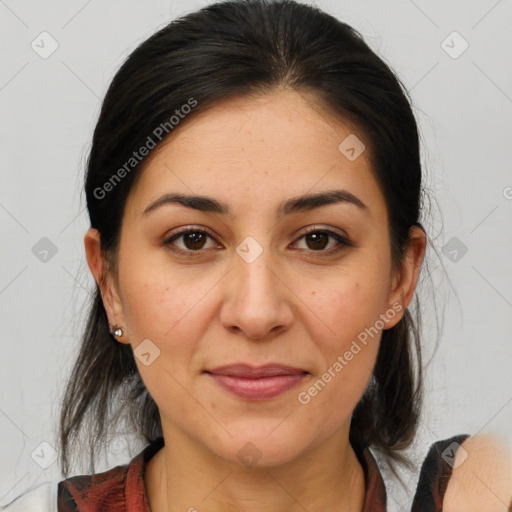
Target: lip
(257, 383)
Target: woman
(254, 191)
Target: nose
(257, 301)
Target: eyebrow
(292, 205)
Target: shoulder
(119, 489)
(93, 492)
(75, 494)
(435, 474)
(42, 498)
(481, 476)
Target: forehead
(256, 151)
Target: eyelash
(342, 241)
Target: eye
(317, 240)
(193, 240)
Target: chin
(261, 451)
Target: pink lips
(260, 383)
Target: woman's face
(250, 285)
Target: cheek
(351, 311)
(169, 312)
(353, 296)
(159, 301)
(348, 307)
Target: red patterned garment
(122, 489)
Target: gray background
(463, 104)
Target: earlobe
(101, 273)
(118, 333)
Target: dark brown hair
(227, 50)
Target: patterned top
(122, 489)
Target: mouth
(257, 383)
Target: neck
(183, 476)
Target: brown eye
(318, 241)
(193, 240)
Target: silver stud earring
(117, 331)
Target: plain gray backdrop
(453, 58)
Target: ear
(105, 280)
(404, 279)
